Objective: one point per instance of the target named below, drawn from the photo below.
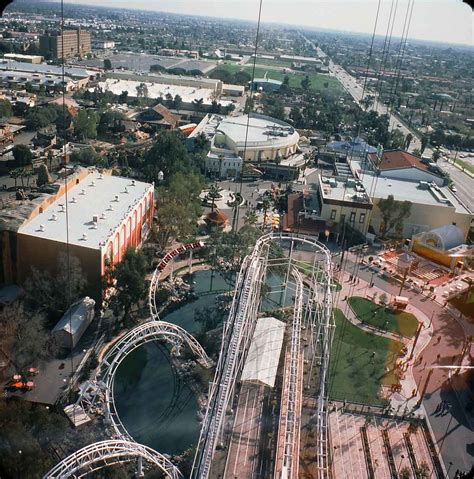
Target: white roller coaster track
(240, 325)
(106, 453)
(101, 389)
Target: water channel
(155, 406)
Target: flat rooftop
(94, 195)
(42, 68)
(343, 189)
(262, 130)
(156, 90)
(410, 190)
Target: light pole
(400, 465)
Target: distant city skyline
(445, 21)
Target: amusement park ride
(312, 312)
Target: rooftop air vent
(73, 199)
(83, 192)
(111, 208)
(126, 190)
(133, 182)
(41, 227)
(84, 237)
(101, 177)
(93, 183)
(61, 207)
(54, 217)
(116, 198)
(103, 216)
(95, 218)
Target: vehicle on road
(452, 188)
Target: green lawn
(466, 165)
(354, 375)
(307, 268)
(318, 80)
(398, 322)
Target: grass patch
(466, 165)
(355, 375)
(383, 318)
(318, 80)
(307, 268)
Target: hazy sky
(448, 21)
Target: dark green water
(154, 405)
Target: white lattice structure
(316, 314)
(107, 453)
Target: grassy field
(466, 165)
(355, 372)
(399, 322)
(318, 80)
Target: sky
(445, 21)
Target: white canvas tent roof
(264, 353)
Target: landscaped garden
(382, 317)
(360, 363)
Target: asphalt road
(463, 182)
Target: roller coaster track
(107, 453)
(100, 391)
(235, 342)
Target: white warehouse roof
(111, 198)
(264, 353)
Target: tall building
(65, 44)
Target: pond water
(154, 405)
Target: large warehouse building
(105, 215)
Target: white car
(452, 188)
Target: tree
(169, 155)
(383, 300)
(130, 282)
(213, 195)
(178, 207)
(408, 140)
(424, 142)
(393, 213)
(241, 78)
(107, 64)
(85, 124)
(405, 473)
(367, 102)
(123, 96)
(250, 218)
(423, 471)
(15, 174)
(198, 103)
(43, 176)
(54, 293)
(22, 155)
(266, 204)
(436, 155)
(5, 109)
(249, 105)
(177, 102)
(306, 83)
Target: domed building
(444, 245)
(267, 138)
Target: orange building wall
(435, 255)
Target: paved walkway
(405, 400)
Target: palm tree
(250, 218)
(266, 204)
(213, 195)
(408, 140)
(15, 174)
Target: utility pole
(403, 280)
(423, 391)
(418, 331)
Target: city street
(464, 183)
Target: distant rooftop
(94, 195)
(395, 159)
(42, 68)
